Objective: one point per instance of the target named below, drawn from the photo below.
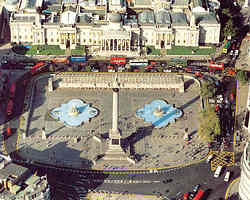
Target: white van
(227, 176)
(209, 158)
(217, 171)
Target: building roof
(12, 169)
(179, 19)
(205, 18)
(30, 4)
(24, 18)
(84, 19)
(197, 3)
(146, 17)
(69, 1)
(162, 17)
(142, 2)
(180, 3)
(53, 2)
(114, 17)
(70, 8)
(11, 2)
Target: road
(180, 180)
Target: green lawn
(152, 51)
(176, 50)
(45, 50)
(80, 50)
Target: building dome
(114, 17)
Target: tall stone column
(115, 110)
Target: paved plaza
(77, 146)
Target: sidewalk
(233, 188)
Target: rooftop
(180, 3)
(24, 18)
(205, 18)
(179, 19)
(146, 17)
(142, 2)
(13, 170)
(162, 17)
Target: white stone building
(244, 186)
(109, 30)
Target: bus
(216, 66)
(177, 62)
(60, 60)
(38, 67)
(78, 58)
(226, 47)
(12, 90)
(138, 62)
(118, 60)
(199, 195)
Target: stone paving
(77, 147)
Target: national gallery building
(115, 26)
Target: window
(184, 41)
(38, 41)
(84, 41)
(90, 40)
(52, 40)
(31, 37)
(178, 41)
(57, 39)
(14, 36)
(20, 37)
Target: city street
(172, 183)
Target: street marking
(220, 159)
(229, 187)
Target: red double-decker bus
(12, 90)
(199, 195)
(118, 60)
(38, 67)
(219, 66)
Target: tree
(242, 76)
(207, 89)
(209, 125)
(229, 29)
